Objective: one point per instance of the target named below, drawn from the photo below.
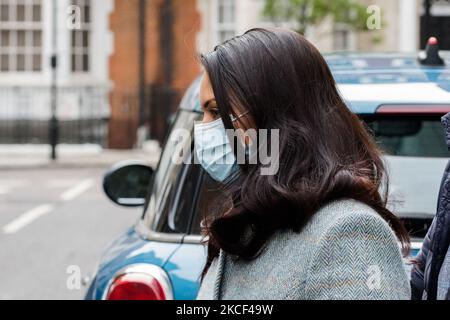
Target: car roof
(368, 80)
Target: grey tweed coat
(346, 251)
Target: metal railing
(83, 114)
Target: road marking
(27, 218)
(77, 190)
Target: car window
(208, 191)
(177, 208)
(409, 136)
(162, 213)
(180, 215)
(415, 156)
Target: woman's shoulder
(355, 242)
(346, 207)
(342, 217)
(343, 220)
(339, 248)
(347, 213)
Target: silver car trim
(151, 235)
(194, 239)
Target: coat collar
(219, 275)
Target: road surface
(54, 225)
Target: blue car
(399, 98)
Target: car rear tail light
(433, 109)
(140, 282)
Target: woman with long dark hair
(317, 227)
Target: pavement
(73, 156)
(55, 221)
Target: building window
(81, 38)
(341, 39)
(20, 35)
(226, 20)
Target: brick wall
(124, 73)
(125, 67)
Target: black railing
(82, 112)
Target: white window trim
(220, 27)
(14, 27)
(79, 51)
(351, 37)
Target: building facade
(123, 65)
(31, 32)
(400, 30)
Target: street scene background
(86, 84)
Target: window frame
(29, 27)
(220, 26)
(350, 35)
(76, 38)
(149, 224)
(203, 176)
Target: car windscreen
(416, 155)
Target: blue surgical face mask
(213, 150)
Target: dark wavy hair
(326, 152)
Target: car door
(186, 264)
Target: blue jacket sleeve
(419, 269)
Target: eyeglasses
(234, 119)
